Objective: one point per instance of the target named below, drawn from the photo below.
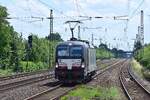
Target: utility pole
(142, 28)
(142, 31)
(109, 49)
(79, 37)
(92, 39)
(100, 41)
(50, 39)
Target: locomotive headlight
(83, 65)
(56, 65)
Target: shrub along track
(132, 87)
(56, 92)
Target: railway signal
(30, 41)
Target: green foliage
(146, 74)
(94, 93)
(3, 15)
(54, 37)
(143, 56)
(5, 38)
(5, 72)
(102, 53)
(31, 66)
(15, 52)
(137, 68)
(137, 46)
(41, 50)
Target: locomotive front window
(63, 51)
(76, 51)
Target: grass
(137, 68)
(5, 72)
(88, 93)
(141, 71)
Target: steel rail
(9, 86)
(123, 85)
(25, 74)
(43, 92)
(133, 77)
(99, 73)
(72, 88)
(22, 75)
(135, 81)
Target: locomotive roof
(75, 43)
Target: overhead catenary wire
(28, 5)
(40, 12)
(33, 18)
(27, 19)
(133, 13)
(77, 7)
(54, 9)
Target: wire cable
(54, 9)
(141, 3)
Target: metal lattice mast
(79, 36)
(142, 28)
(50, 38)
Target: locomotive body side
(91, 61)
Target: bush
(146, 73)
(144, 62)
(143, 56)
(32, 66)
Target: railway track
(107, 62)
(9, 86)
(15, 84)
(44, 78)
(22, 75)
(60, 90)
(133, 89)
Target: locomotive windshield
(75, 51)
(69, 51)
(63, 51)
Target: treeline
(103, 52)
(15, 53)
(142, 55)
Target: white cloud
(32, 7)
(94, 1)
(119, 1)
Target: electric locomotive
(75, 61)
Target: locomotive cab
(72, 61)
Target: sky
(27, 16)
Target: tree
(9, 42)
(5, 38)
(137, 45)
(104, 46)
(54, 37)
